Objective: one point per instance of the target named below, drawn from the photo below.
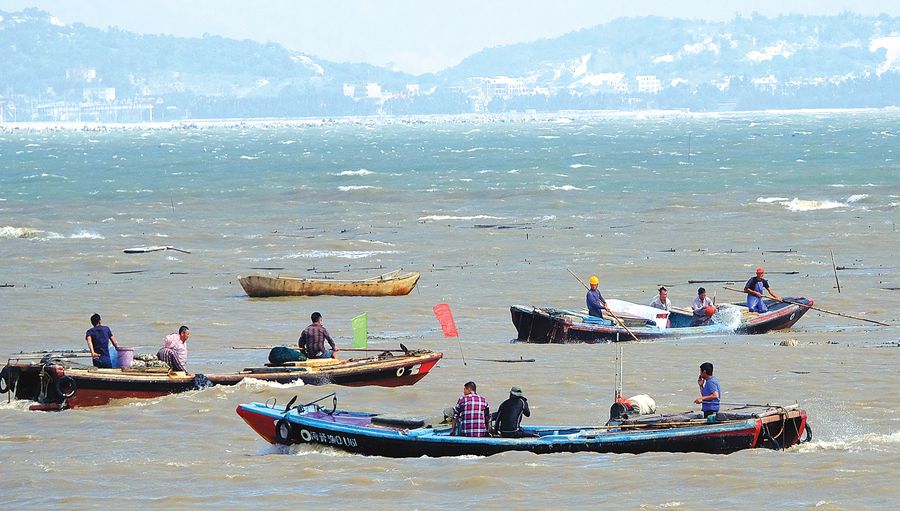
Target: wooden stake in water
(836, 281)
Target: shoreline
(375, 120)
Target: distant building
(412, 89)
(81, 74)
(99, 94)
(506, 87)
(373, 90)
(648, 84)
(349, 90)
(766, 83)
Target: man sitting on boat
(595, 301)
(703, 308)
(509, 415)
(709, 390)
(472, 415)
(174, 352)
(754, 289)
(661, 301)
(312, 339)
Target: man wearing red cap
(754, 289)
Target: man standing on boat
(471, 415)
(754, 289)
(703, 308)
(312, 339)
(709, 390)
(98, 339)
(595, 301)
(661, 301)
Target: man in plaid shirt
(471, 415)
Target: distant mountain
(51, 70)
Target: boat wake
(728, 316)
(869, 442)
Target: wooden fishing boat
(390, 284)
(551, 325)
(55, 384)
(377, 435)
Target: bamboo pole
(834, 266)
(820, 309)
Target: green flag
(360, 330)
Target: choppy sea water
(492, 211)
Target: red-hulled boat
(58, 383)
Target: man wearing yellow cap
(754, 289)
(595, 301)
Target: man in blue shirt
(595, 301)
(709, 390)
(754, 289)
(98, 339)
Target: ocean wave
(857, 197)
(580, 165)
(869, 442)
(565, 188)
(811, 205)
(353, 188)
(769, 200)
(360, 172)
(245, 157)
(452, 217)
(45, 175)
(321, 254)
(18, 232)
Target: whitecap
(452, 217)
(812, 205)
(18, 232)
(360, 172)
(769, 200)
(357, 187)
(85, 235)
(245, 157)
(857, 197)
(340, 254)
(565, 188)
(580, 165)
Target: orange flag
(442, 311)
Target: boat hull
(259, 286)
(46, 384)
(354, 432)
(549, 325)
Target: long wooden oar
(819, 309)
(611, 313)
(339, 349)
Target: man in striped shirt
(471, 415)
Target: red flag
(442, 311)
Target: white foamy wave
(357, 187)
(376, 242)
(45, 175)
(580, 165)
(245, 157)
(870, 442)
(452, 217)
(565, 188)
(360, 172)
(857, 197)
(341, 254)
(85, 235)
(254, 384)
(513, 171)
(18, 232)
(769, 200)
(728, 316)
(812, 205)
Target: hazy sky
(416, 36)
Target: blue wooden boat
(552, 325)
(377, 435)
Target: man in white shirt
(661, 301)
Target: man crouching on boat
(312, 339)
(174, 352)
